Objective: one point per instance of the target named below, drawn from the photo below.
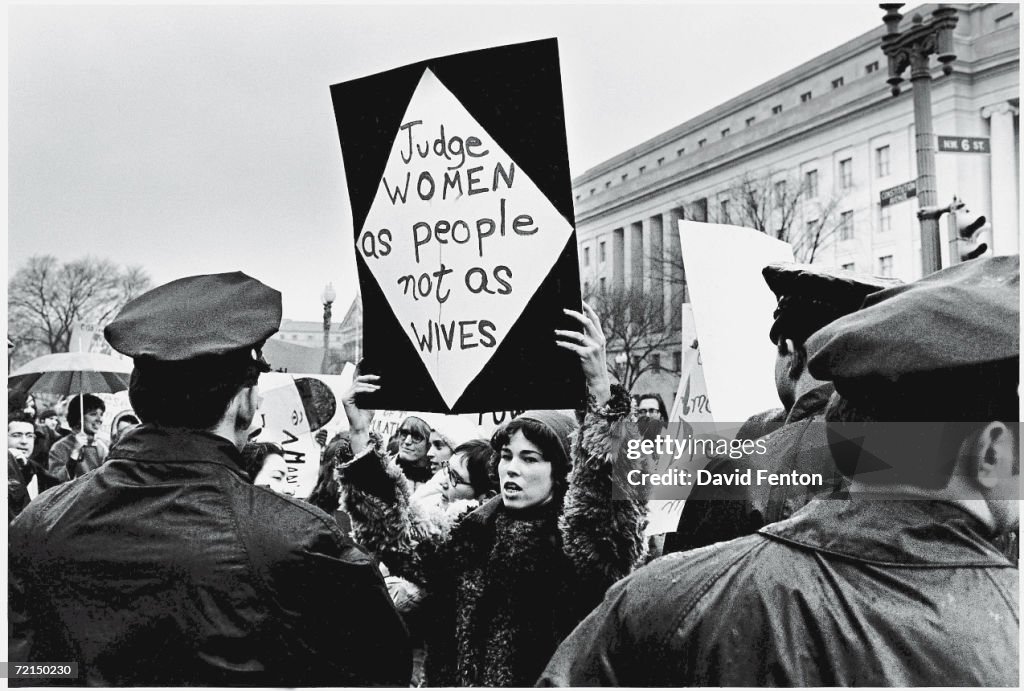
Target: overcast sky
(201, 139)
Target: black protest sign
(458, 178)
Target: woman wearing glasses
(513, 577)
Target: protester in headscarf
(513, 577)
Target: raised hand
(590, 347)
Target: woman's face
(412, 443)
(524, 475)
(274, 475)
(439, 451)
(456, 480)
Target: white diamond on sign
(458, 237)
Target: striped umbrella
(68, 374)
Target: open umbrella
(68, 374)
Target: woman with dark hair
(265, 464)
(513, 577)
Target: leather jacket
(167, 567)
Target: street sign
(899, 193)
(963, 145)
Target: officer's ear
(797, 358)
(247, 404)
(991, 459)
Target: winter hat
(559, 423)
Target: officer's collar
(907, 532)
(811, 402)
(157, 443)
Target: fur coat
(503, 588)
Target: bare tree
(635, 327)
(785, 207)
(46, 299)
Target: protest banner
(458, 179)
(732, 310)
(458, 428)
(691, 402)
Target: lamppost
(327, 298)
(913, 48)
(620, 367)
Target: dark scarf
(509, 605)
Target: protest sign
(458, 178)
(295, 407)
(732, 310)
(691, 403)
(458, 428)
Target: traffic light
(969, 233)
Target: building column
(1003, 161)
(653, 260)
(635, 256)
(674, 270)
(618, 241)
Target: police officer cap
(810, 296)
(197, 317)
(960, 317)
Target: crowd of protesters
(179, 557)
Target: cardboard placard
(459, 184)
(732, 310)
(691, 403)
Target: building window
(882, 161)
(723, 207)
(836, 83)
(604, 285)
(661, 160)
(680, 152)
(725, 132)
(625, 176)
(846, 225)
(642, 169)
(601, 252)
(586, 256)
(885, 266)
(776, 110)
(579, 197)
(811, 183)
(884, 219)
(811, 229)
(656, 362)
(701, 143)
(846, 173)
(677, 360)
(750, 121)
(805, 97)
(592, 190)
(780, 192)
(607, 184)
(871, 67)
(852, 266)
(586, 288)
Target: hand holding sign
(590, 346)
(358, 420)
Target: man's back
(843, 593)
(165, 566)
